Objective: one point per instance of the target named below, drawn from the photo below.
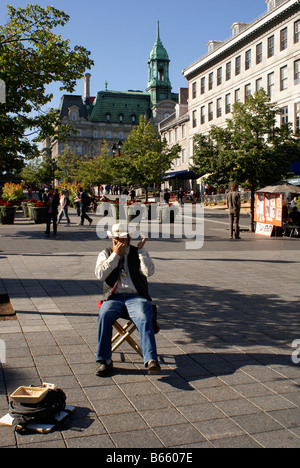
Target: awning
(202, 178)
(294, 181)
(280, 187)
(182, 175)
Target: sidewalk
(229, 314)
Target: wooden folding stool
(124, 332)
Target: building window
(248, 60)
(194, 86)
(258, 84)
(283, 78)
(183, 131)
(108, 135)
(79, 149)
(194, 119)
(227, 104)
(211, 81)
(238, 63)
(121, 118)
(210, 111)
(247, 91)
(297, 117)
(74, 116)
(228, 71)
(183, 156)
(271, 46)
(176, 134)
(283, 39)
(259, 53)
(271, 84)
(237, 95)
(96, 134)
(219, 76)
(107, 117)
(297, 32)
(203, 85)
(297, 71)
(284, 115)
(219, 107)
(170, 136)
(133, 119)
(202, 115)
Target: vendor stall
(270, 205)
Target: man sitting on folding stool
(124, 270)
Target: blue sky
(121, 34)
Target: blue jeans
(140, 312)
(64, 211)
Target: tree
(97, 170)
(32, 56)
(68, 165)
(252, 151)
(145, 158)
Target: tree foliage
(146, 158)
(252, 150)
(32, 56)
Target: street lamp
(118, 148)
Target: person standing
(180, 196)
(52, 201)
(233, 201)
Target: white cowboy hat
(119, 230)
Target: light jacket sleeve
(147, 266)
(106, 265)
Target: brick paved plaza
(228, 312)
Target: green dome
(158, 52)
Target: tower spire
(158, 33)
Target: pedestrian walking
(64, 201)
(85, 201)
(233, 201)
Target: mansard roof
(69, 100)
(118, 103)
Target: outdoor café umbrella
(280, 187)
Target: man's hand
(119, 247)
(142, 242)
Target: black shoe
(91, 221)
(104, 369)
(153, 368)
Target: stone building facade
(262, 54)
(110, 115)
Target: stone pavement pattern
(228, 315)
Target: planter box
(39, 215)
(7, 214)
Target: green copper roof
(117, 106)
(158, 52)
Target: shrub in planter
(7, 212)
(12, 192)
(39, 213)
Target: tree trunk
(252, 208)
(146, 192)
